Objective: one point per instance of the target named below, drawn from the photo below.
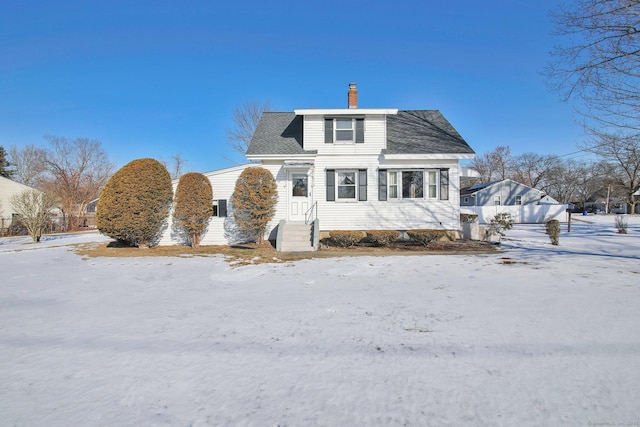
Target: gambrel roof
(408, 132)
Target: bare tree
(494, 165)
(34, 208)
(599, 63)
(533, 169)
(571, 181)
(28, 163)
(622, 152)
(175, 165)
(245, 119)
(76, 170)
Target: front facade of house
(363, 169)
(353, 169)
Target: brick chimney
(353, 96)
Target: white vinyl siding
(374, 214)
(220, 229)
(8, 189)
(374, 137)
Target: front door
(299, 195)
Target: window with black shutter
(444, 184)
(382, 184)
(220, 208)
(331, 185)
(362, 185)
(344, 130)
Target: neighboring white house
(350, 169)
(8, 189)
(524, 203)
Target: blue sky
(153, 79)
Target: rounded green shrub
(134, 204)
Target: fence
(523, 214)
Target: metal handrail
(309, 214)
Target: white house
(351, 169)
(525, 204)
(8, 189)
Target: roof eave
(428, 156)
(343, 111)
(299, 156)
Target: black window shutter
(331, 185)
(362, 185)
(359, 131)
(328, 131)
(382, 184)
(444, 184)
(222, 208)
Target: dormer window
(343, 130)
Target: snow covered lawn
(532, 335)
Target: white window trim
(356, 184)
(425, 184)
(497, 200)
(336, 130)
(518, 201)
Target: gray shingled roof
(278, 133)
(423, 132)
(408, 132)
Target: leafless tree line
(596, 66)
(566, 180)
(72, 171)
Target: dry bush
(500, 223)
(382, 237)
(621, 224)
(426, 236)
(552, 228)
(345, 238)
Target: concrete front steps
(295, 237)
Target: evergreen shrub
(254, 202)
(135, 203)
(193, 206)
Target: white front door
(299, 195)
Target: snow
(532, 335)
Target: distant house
(88, 218)
(351, 169)
(503, 193)
(524, 203)
(8, 189)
